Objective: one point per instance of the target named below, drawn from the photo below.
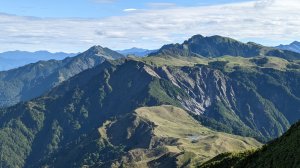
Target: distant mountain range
(294, 46)
(136, 51)
(178, 107)
(32, 80)
(15, 59)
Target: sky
(74, 26)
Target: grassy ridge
(280, 153)
(193, 139)
(231, 62)
(167, 136)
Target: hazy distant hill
(15, 59)
(294, 46)
(136, 51)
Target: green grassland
(232, 62)
(175, 138)
(280, 153)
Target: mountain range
(179, 107)
(97, 112)
(14, 59)
(140, 52)
(294, 46)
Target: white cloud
(129, 10)
(272, 21)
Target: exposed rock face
(203, 86)
(234, 102)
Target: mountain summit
(98, 50)
(216, 46)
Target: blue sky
(74, 26)
(91, 8)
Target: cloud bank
(271, 20)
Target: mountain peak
(98, 50)
(195, 37)
(211, 46)
(217, 46)
(216, 39)
(295, 43)
(95, 49)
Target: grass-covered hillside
(160, 136)
(279, 153)
(229, 63)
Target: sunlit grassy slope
(280, 153)
(174, 61)
(232, 62)
(176, 138)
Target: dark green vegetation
(279, 153)
(33, 80)
(39, 131)
(142, 112)
(216, 46)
